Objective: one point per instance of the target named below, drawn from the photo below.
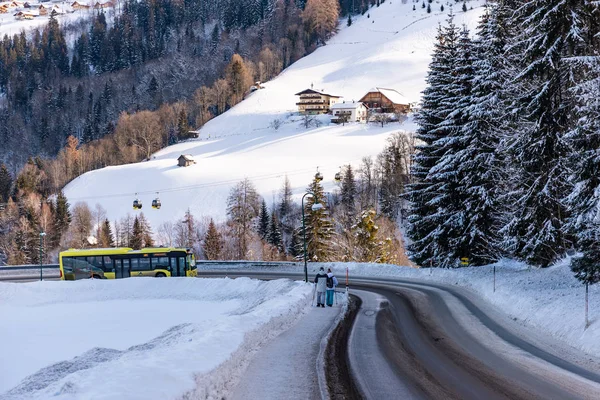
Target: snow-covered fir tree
(427, 248)
(263, 221)
(546, 32)
(584, 139)
(319, 228)
(274, 237)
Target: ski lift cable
(206, 185)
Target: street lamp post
(315, 206)
(42, 234)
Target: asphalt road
(419, 340)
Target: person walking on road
(321, 286)
(332, 282)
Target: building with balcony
(315, 102)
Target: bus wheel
(96, 277)
(160, 275)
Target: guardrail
(27, 267)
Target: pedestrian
(332, 282)
(321, 286)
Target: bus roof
(118, 250)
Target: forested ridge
(509, 126)
(126, 83)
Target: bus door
(122, 269)
(176, 267)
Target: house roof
(315, 92)
(393, 95)
(186, 157)
(347, 106)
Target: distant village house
(103, 4)
(386, 101)
(21, 15)
(80, 5)
(349, 112)
(315, 102)
(185, 160)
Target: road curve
(421, 340)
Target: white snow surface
(550, 300)
(131, 338)
(391, 49)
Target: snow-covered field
(131, 338)
(391, 49)
(550, 300)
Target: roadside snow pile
(550, 300)
(131, 338)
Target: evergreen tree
(369, 247)
(547, 32)
(213, 242)
(274, 237)
(285, 199)
(183, 126)
(106, 235)
(348, 189)
(136, 241)
(464, 6)
(6, 182)
(587, 265)
(319, 228)
(436, 107)
(428, 8)
(295, 247)
(263, 221)
(62, 219)
(349, 23)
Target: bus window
(96, 261)
(160, 263)
(183, 265)
(108, 264)
(140, 264)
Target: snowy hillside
(69, 345)
(390, 48)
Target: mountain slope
(390, 48)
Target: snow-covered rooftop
(392, 94)
(346, 106)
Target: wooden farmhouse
(386, 101)
(3, 8)
(80, 5)
(103, 4)
(21, 15)
(315, 102)
(43, 10)
(349, 112)
(185, 160)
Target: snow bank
(130, 338)
(550, 300)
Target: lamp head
(317, 206)
(42, 233)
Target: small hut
(185, 160)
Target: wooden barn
(386, 101)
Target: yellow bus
(123, 262)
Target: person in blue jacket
(332, 282)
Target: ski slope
(136, 338)
(391, 49)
